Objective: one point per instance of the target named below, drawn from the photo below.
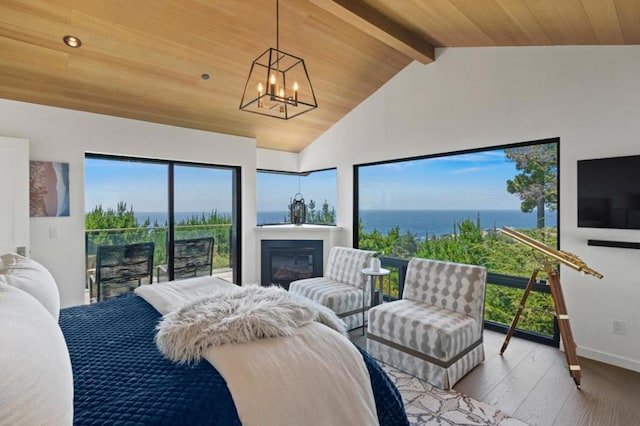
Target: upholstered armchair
(343, 288)
(435, 331)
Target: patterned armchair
(435, 331)
(341, 287)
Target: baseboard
(618, 361)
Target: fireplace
(284, 261)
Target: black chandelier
(278, 84)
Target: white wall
(479, 97)
(268, 159)
(14, 208)
(63, 135)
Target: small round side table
(372, 274)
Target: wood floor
(531, 382)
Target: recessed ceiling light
(205, 76)
(72, 41)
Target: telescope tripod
(561, 315)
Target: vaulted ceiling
(144, 59)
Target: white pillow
(36, 382)
(30, 276)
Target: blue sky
(467, 181)
(274, 191)
(144, 186)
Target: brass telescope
(568, 259)
(552, 258)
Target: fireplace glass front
(284, 261)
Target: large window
(131, 200)
(276, 190)
(450, 206)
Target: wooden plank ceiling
(143, 59)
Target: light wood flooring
(531, 382)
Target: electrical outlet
(619, 326)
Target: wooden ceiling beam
(377, 25)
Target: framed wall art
(48, 189)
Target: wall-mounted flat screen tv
(609, 193)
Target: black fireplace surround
(283, 261)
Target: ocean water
(418, 222)
(441, 222)
(434, 222)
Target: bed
(120, 376)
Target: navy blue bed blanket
(120, 377)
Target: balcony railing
(221, 234)
(505, 290)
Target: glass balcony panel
(501, 305)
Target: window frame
(236, 202)
(300, 174)
(505, 281)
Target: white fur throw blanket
(237, 316)
(314, 377)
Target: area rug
(427, 405)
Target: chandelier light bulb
(260, 88)
(272, 85)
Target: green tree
(212, 224)
(119, 226)
(116, 226)
(468, 243)
(117, 218)
(464, 245)
(537, 182)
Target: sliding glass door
(131, 200)
(203, 206)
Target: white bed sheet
(315, 377)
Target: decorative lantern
(298, 210)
